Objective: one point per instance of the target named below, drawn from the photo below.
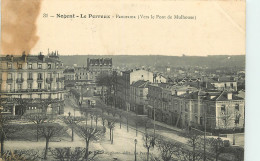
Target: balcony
(49, 80)
(29, 79)
(19, 80)
(9, 80)
(39, 79)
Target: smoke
(18, 26)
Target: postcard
(125, 80)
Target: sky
(219, 28)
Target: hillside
(174, 61)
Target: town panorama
(127, 108)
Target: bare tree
(89, 134)
(111, 125)
(48, 131)
(68, 154)
(72, 123)
(186, 155)
(149, 142)
(226, 120)
(216, 146)
(194, 140)
(168, 149)
(37, 119)
(5, 129)
(21, 155)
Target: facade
(31, 84)
(95, 67)
(138, 96)
(127, 78)
(222, 109)
(224, 83)
(69, 74)
(81, 74)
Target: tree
(186, 155)
(21, 155)
(111, 125)
(89, 134)
(107, 81)
(226, 120)
(168, 149)
(216, 146)
(5, 129)
(68, 154)
(194, 140)
(149, 142)
(141, 121)
(37, 119)
(72, 123)
(48, 131)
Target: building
(32, 84)
(81, 74)
(222, 109)
(127, 78)
(222, 83)
(98, 66)
(69, 74)
(138, 96)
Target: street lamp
(135, 148)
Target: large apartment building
(31, 84)
(98, 66)
(128, 78)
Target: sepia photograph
(84, 80)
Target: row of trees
(176, 151)
(46, 128)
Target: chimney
(229, 96)
(24, 57)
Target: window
(20, 66)
(19, 86)
(9, 76)
(48, 86)
(49, 66)
(29, 66)
(237, 107)
(40, 76)
(20, 75)
(9, 87)
(223, 108)
(29, 86)
(39, 66)
(39, 86)
(9, 65)
(231, 85)
(49, 75)
(30, 76)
